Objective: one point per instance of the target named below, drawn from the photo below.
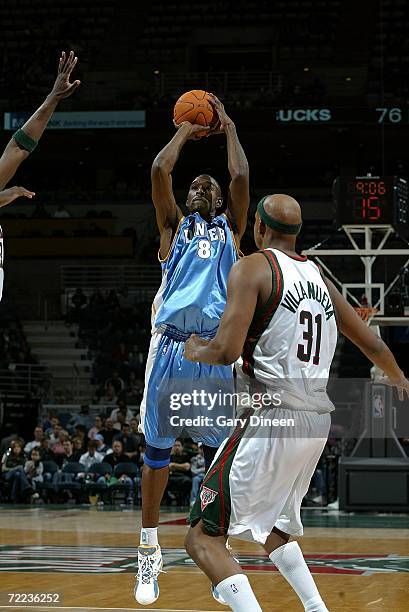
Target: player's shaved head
(283, 208)
(278, 220)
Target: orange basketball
(195, 106)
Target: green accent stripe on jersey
(215, 516)
(263, 316)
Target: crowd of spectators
(74, 459)
(115, 327)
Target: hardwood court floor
(360, 563)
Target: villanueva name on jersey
(201, 230)
(307, 291)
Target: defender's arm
(352, 326)
(24, 141)
(242, 294)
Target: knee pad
(157, 458)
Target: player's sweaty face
(202, 196)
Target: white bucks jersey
(292, 338)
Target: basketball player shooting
(260, 475)
(196, 252)
(25, 140)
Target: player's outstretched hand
(401, 384)
(191, 346)
(12, 193)
(224, 119)
(63, 88)
(196, 132)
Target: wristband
(24, 141)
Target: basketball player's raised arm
(168, 213)
(25, 140)
(243, 290)
(352, 326)
(238, 198)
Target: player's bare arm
(238, 199)
(12, 193)
(24, 141)
(352, 326)
(244, 291)
(168, 213)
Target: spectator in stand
(102, 448)
(78, 448)
(124, 410)
(96, 300)
(124, 299)
(120, 353)
(180, 480)
(134, 424)
(117, 382)
(110, 397)
(38, 436)
(92, 456)
(54, 435)
(117, 456)
(61, 212)
(129, 441)
(108, 431)
(12, 467)
(121, 420)
(69, 456)
(197, 467)
(80, 431)
(111, 300)
(82, 418)
(78, 306)
(58, 448)
(54, 420)
(134, 390)
(45, 451)
(34, 470)
(97, 428)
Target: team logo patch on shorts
(207, 496)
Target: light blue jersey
(192, 295)
(191, 299)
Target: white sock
(149, 536)
(237, 592)
(291, 563)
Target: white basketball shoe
(149, 566)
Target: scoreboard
(371, 200)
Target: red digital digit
(381, 188)
(373, 188)
(369, 210)
(359, 186)
(374, 210)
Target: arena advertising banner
(83, 120)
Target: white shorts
(260, 476)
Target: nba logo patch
(207, 496)
(234, 588)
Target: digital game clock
(371, 200)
